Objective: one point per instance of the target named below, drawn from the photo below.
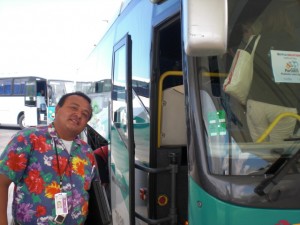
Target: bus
(12, 100)
(40, 109)
(30, 100)
(181, 149)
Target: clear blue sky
(50, 37)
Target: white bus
(55, 89)
(12, 91)
(30, 100)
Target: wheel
(21, 121)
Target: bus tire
(21, 121)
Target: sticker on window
(286, 66)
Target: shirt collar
(53, 134)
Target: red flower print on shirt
(20, 138)
(91, 158)
(16, 162)
(62, 168)
(39, 143)
(40, 211)
(34, 182)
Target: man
(50, 164)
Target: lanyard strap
(58, 167)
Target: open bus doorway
(167, 60)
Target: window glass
(118, 95)
(248, 138)
(5, 86)
(19, 86)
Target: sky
(50, 38)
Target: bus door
(122, 143)
(35, 103)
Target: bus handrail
(153, 221)
(173, 169)
(274, 123)
(160, 92)
(152, 170)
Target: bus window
(19, 86)
(6, 86)
(103, 86)
(273, 93)
(30, 93)
(119, 83)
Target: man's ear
(57, 107)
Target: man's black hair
(78, 93)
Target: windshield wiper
(276, 172)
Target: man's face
(72, 117)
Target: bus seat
(173, 124)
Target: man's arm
(4, 186)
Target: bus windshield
(259, 134)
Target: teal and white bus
(181, 150)
(29, 100)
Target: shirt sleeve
(14, 158)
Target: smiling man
(51, 167)
(72, 113)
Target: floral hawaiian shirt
(30, 161)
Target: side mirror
(205, 24)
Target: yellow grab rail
(274, 123)
(160, 91)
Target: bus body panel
(31, 116)
(119, 180)
(205, 209)
(10, 110)
(100, 120)
(50, 114)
